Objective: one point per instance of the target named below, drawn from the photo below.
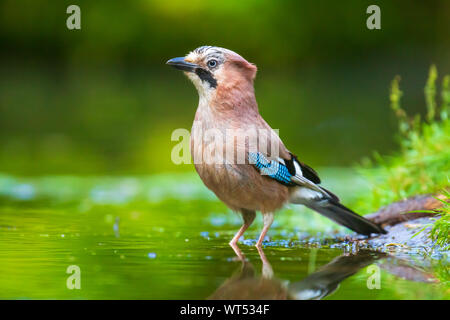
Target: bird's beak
(182, 64)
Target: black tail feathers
(332, 209)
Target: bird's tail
(331, 208)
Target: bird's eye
(212, 63)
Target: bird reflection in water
(246, 284)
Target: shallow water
(166, 237)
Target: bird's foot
(237, 251)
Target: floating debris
(392, 244)
(248, 242)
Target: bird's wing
(282, 165)
(305, 170)
(289, 172)
(311, 194)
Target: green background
(101, 100)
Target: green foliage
(441, 228)
(423, 163)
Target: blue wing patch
(271, 168)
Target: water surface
(166, 237)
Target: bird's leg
(268, 220)
(248, 217)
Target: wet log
(400, 211)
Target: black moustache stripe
(207, 76)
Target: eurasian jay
(261, 174)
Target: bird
(259, 174)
